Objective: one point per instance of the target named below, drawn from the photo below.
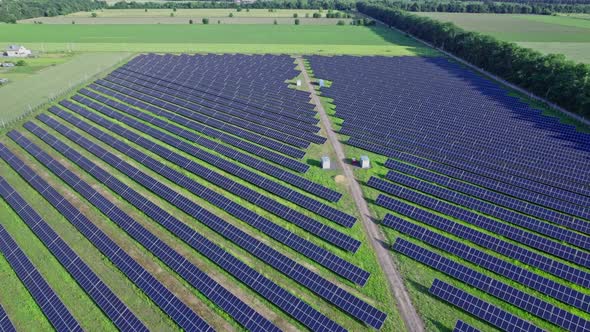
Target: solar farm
(185, 192)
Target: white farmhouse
(17, 51)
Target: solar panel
(299, 244)
(503, 291)
(100, 293)
(56, 312)
(5, 323)
(344, 300)
(231, 304)
(520, 275)
(481, 309)
(464, 327)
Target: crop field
(567, 35)
(417, 186)
(47, 77)
(183, 16)
(213, 39)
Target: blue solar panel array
(501, 267)
(531, 239)
(286, 213)
(51, 305)
(183, 117)
(5, 323)
(100, 293)
(497, 317)
(297, 243)
(231, 304)
(493, 243)
(461, 326)
(491, 196)
(503, 291)
(436, 109)
(255, 163)
(344, 300)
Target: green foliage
(94, 15)
(296, 21)
(190, 21)
(21, 63)
(552, 77)
(205, 20)
(341, 22)
(231, 14)
(275, 22)
(502, 7)
(295, 15)
(13, 10)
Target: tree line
(487, 7)
(14, 10)
(267, 4)
(552, 77)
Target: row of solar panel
(204, 130)
(279, 120)
(465, 201)
(235, 307)
(287, 134)
(495, 316)
(276, 172)
(555, 248)
(5, 323)
(315, 227)
(227, 82)
(297, 243)
(521, 191)
(500, 290)
(214, 73)
(501, 267)
(488, 195)
(493, 243)
(347, 302)
(51, 305)
(528, 158)
(510, 179)
(468, 161)
(100, 293)
(159, 100)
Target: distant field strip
(214, 39)
(186, 20)
(24, 95)
(548, 34)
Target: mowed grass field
(182, 16)
(213, 38)
(33, 87)
(568, 35)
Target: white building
(325, 162)
(365, 163)
(17, 51)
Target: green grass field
(214, 39)
(33, 88)
(182, 16)
(548, 34)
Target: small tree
(247, 9)
(205, 21)
(94, 14)
(231, 14)
(296, 21)
(317, 15)
(171, 14)
(73, 22)
(21, 63)
(340, 22)
(239, 9)
(174, 9)
(295, 15)
(190, 21)
(145, 10)
(275, 22)
(218, 21)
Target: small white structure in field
(325, 162)
(298, 82)
(3, 81)
(6, 64)
(365, 163)
(321, 83)
(17, 51)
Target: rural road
(376, 236)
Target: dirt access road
(374, 233)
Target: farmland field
(547, 34)
(213, 38)
(182, 16)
